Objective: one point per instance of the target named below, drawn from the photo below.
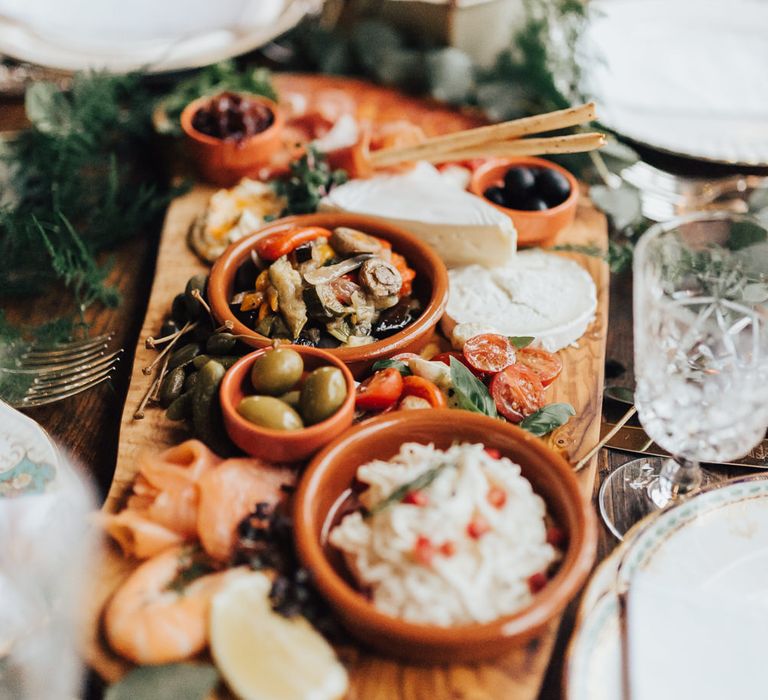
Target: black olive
(496, 195)
(168, 328)
(310, 336)
(394, 319)
(245, 277)
(518, 179)
(303, 253)
(533, 204)
(327, 341)
(552, 186)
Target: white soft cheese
(537, 294)
(462, 228)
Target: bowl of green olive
(284, 403)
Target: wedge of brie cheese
(463, 228)
(543, 295)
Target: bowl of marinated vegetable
(352, 285)
(283, 404)
(539, 196)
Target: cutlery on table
(35, 376)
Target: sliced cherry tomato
(423, 389)
(518, 392)
(275, 245)
(496, 496)
(416, 498)
(546, 365)
(380, 391)
(537, 582)
(489, 352)
(555, 536)
(448, 548)
(445, 358)
(423, 550)
(477, 527)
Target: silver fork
(36, 376)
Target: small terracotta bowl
(225, 163)
(430, 286)
(533, 227)
(279, 445)
(327, 481)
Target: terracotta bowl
(533, 227)
(431, 286)
(279, 445)
(225, 163)
(329, 476)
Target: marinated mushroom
(350, 241)
(380, 278)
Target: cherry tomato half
(380, 391)
(518, 392)
(545, 365)
(424, 389)
(489, 352)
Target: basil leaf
(399, 365)
(471, 394)
(745, 234)
(546, 419)
(166, 682)
(521, 341)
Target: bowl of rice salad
(441, 536)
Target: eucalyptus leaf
(48, 109)
(399, 365)
(745, 234)
(546, 419)
(470, 393)
(167, 682)
(622, 205)
(450, 74)
(521, 341)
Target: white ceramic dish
(683, 76)
(701, 563)
(144, 35)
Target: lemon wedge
(265, 656)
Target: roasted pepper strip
(276, 245)
(423, 389)
(407, 273)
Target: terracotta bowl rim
(546, 604)
(192, 107)
(232, 378)
(483, 170)
(238, 252)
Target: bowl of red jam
(231, 135)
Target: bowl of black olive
(539, 196)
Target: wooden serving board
(516, 675)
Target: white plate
(713, 548)
(29, 462)
(125, 35)
(684, 76)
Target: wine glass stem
(679, 477)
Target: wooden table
(87, 425)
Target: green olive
(276, 371)
(292, 399)
(269, 412)
(322, 394)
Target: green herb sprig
(422, 481)
(471, 394)
(546, 419)
(310, 180)
(399, 365)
